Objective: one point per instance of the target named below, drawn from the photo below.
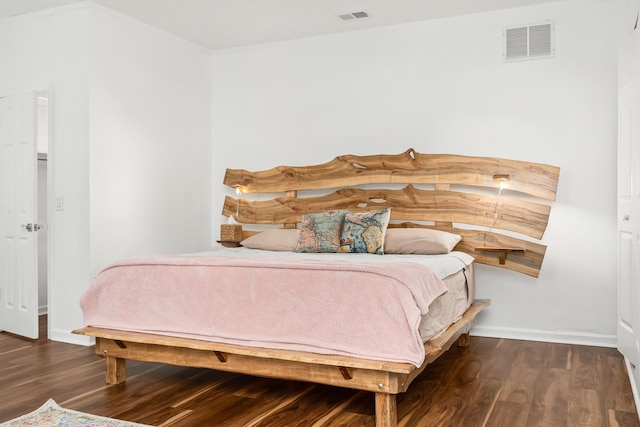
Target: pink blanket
(354, 309)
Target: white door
(18, 215)
(629, 202)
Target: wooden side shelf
(502, 252)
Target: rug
(52, 415)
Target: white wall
(441, 87)
(130, 146)
(150, 141)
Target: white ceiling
(218, 24)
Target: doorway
(42, 117)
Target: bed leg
(386, 410)
(116, 370)
(464, 340)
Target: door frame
(50, 196)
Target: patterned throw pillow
(320, 232)
(364, 232)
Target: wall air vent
(354, 15)
(532, 42)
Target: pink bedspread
(354, 309)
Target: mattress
(449, 308)
(455, 269)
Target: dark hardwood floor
(494, 382)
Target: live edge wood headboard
(454, 193)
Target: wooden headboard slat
(409, 204)
(410, 167)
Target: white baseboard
(564, 337)
(69, 338)
(42, 310)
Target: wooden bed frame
(385, 379)
(445, 204)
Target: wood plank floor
(493, 382)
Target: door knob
(626, 217)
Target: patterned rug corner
(52, 415)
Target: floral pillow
(363, 232)
(321, 232)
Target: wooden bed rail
(459, 194)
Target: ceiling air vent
(532, 42)
(353, 15)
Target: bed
(284, 300)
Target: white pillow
(424, 241)
(278, 239)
